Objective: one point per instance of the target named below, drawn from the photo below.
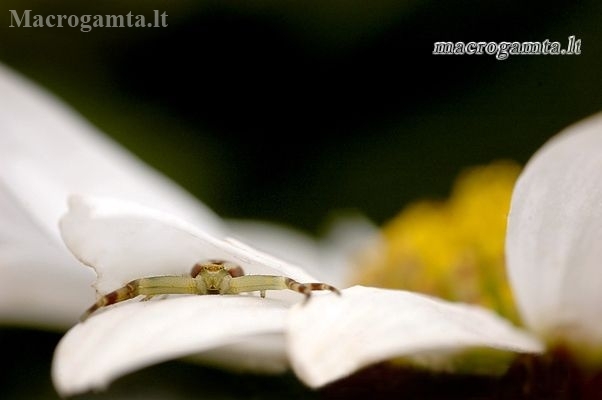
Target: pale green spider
(210, 277)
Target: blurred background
(292, 111)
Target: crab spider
(210, 277)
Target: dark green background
(363, 116)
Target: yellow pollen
(453, 249)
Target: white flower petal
(41, 284)
(554, 239)
(331, 337)
(47, 152)
(138, 334)
(124, 241)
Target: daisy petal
(139, 334)
(41, 284)
(124, 241)
(47, 151)
(554, 236)
(46, 148)
(332, 337)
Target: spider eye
(214, 266)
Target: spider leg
(261, 283)
(148, 287)
(307, 288)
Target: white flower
(124, 241)
(552, 247)
(552, 256)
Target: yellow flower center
(453, 249)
